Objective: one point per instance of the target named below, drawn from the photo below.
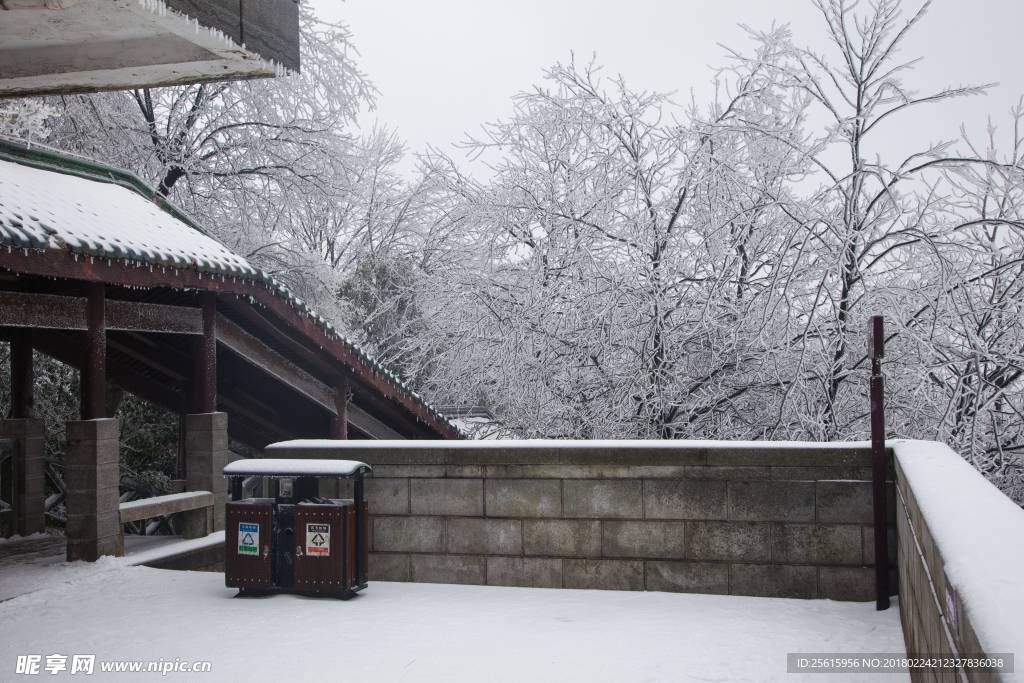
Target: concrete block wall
(740, 520)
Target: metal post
(357, 494)
(22, 375)
(94, 367)
(877, 394)
(339, 422)
(206, 356)
(235, 488)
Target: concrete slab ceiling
(95, 45)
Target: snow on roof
(52, 199)
(283, 467)
(39, 209)
(977, 530)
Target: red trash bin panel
(248, 545)
(320, 555)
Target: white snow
(104, 219)
(32, 563)
(445, 633)
(560, 444)
(159, 551)
(283, 467)
(170, 498)
(979, 533)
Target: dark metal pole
(94, 367)
(236, 487)
(877, 392)
(339, 422)
(206, 356)
(357, 494)
(22, 375)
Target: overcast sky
(444, 67)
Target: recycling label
(248, 539)
(318, 539)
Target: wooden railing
(197, 507)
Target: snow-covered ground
(429, 632)
(35, 562)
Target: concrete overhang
(95, 45)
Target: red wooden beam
(94, 363)
(160, 357)
(69, 352)
(332, 368)
(206, 356)
(22, 375)
(265, 421)
(255, 352)
(51, 311)
(339, 420)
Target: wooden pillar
(339, 422)
(94, 365)
(22, 375)
(206, 356)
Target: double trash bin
(292, 540)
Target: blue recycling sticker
(248, 539)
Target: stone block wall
(206, 454)
(787, 521)
(92, 477)
(936, 623)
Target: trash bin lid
(284, 467)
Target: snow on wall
(979, 533)
(568, 444)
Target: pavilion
(100, 273)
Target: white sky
(445, 67)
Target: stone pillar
(206, 454)
(94, 518)
(29, 477)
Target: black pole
(877, 392)
(357, 494)
(22, 375)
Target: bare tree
(247, 159)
